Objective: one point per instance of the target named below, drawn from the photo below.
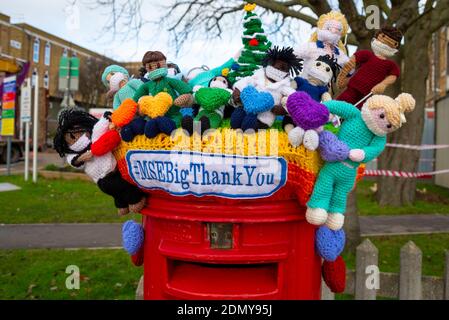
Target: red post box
(207, 249)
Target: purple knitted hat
(306, 112)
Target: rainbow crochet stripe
(303, 165)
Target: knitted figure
(364, 131)
(204, 77)
(321, 73)
(308, 117)
(181, 92)
(273, 79)
(334, 275)
(87, 143)
(255, 44)
(132, 236)
(212, 102)
(374, 71)
(326, 40)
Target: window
(33, 77)
(47, 54)
(36, 48)
(46, 80)
(65, 53)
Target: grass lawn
(56, 201)
(431, 199)
(40, 274)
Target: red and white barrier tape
(420, 148)
(402, 174)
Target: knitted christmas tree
(255, 44)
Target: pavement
(43, 159)
(108, 235)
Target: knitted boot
(205, 124)
(151, 129)
(334, 275)
(237, 118)
(166, 125)
(123, 211)
(137, 207)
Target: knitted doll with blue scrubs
(364, 132)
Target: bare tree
(91, 89)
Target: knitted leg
(187, 124)
(205, 124)
(215, 120)
(138, 125)
(339, 195)
(237, 118)
(151, 129)
(322, 192)
(113, 187)
(249, 122)
(166, 125)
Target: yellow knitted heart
(156, 106)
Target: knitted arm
(342, 109)
(142, 91)
(135, 84)
(382, 86)
(106, 143)
(375, 148)
(244, 82)
(116, 102)
(72, 160)
(180, 86)
(343, 75)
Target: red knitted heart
(254, 42)
(334, 275)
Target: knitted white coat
(98, 167)
(278, 90)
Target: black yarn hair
(285, 54)
(332, 63)
(71, 119)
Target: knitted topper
(364, 132)
(374, 71)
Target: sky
(83, 26)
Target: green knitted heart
(212, 98)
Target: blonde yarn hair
(394, 108)
(333, 15)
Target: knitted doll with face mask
(364, 132)
(155, 63)
(374, 71)
(212, 101)
(325, 41)
(267, 89)
(116, 79)
(87, 143)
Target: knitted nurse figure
(364, 132)
(87, 143)
(326, 40)
(267, 88)
(156, 64)
(116, 79)
(374, 71)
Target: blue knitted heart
(132, 236)
(255, 101)
(329, 243)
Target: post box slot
(195, 280)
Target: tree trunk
(352, 224)
(400, 191)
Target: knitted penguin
(364, 131)
(374, 71)
(266, 89)
(155, 63)
(331, 27)
(212, 101)
(120, 86)
(87, 143)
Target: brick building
(21, 43)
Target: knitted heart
(211, 99)
(132, 236)
(334, 274)
(331, 148)
(306, 112)
(255, 101)
(329, 243)
(156, 106)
